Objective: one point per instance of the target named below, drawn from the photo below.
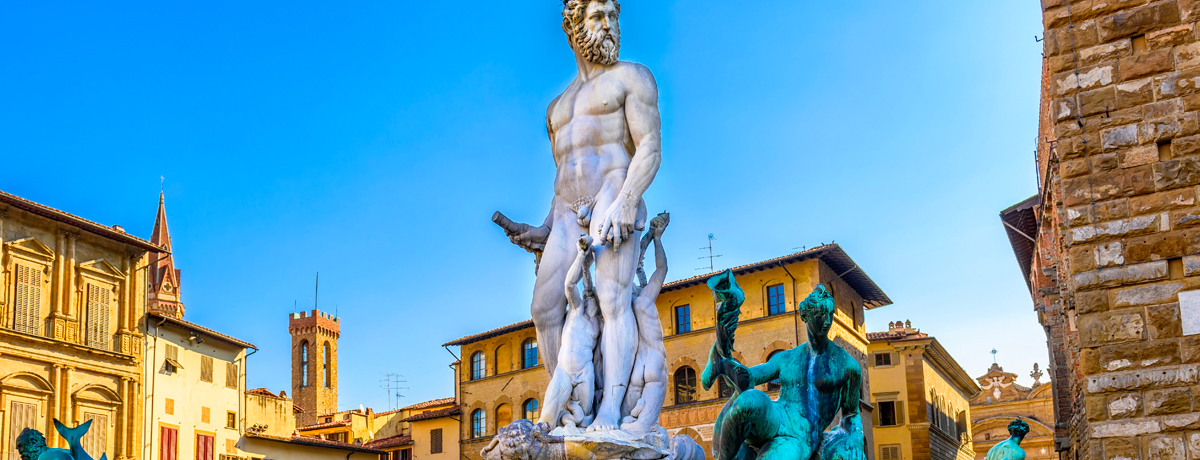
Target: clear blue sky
(371, 141)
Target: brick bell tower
(314, 364)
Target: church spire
(164, 277)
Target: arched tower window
(685, 385)
(328, 368)
(529, 353)
(503, 415)
(529, 410)
(478, 423)
(304, 363)
(478, 366)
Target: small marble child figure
(570, 397)
(648, 382)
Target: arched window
(304, 363)
(685, 385)
(723, 389)
(774, 384)
(776, 302)
(478, 423)
(503, 415)
(529, 354)
(328, 368)
(478, 366)
(529, 410)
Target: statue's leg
(751, 417)
(558, 393)
(549, 298)
(786, 448)
(614, 288)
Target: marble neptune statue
(605, 136)
(818, 381)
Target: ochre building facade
(921, 397)
(71, 307)
(1109, 244)
(501, 378)
(1001, 402)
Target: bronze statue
(1010, 449)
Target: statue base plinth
(580, 444)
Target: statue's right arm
(764, 372)
(574, 274)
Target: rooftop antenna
(295, 306)
(994, 356)
(317, 291)
(391, 384)
(710, 256)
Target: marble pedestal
(522, 440)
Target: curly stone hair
(30, 444)
(820, 302)
(1018, 428)
(573, 23)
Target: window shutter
(435, 441)
(95, 441)
(205, 415)
(173, 352)
(27, 310)
(875, 413)
(206, 369)
(98, 312)
(22, 416)
(231, 375)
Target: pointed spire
(164, 277)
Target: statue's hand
(530, 238)
(619, 223)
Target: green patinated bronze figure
(1010, 449)
(817, 381)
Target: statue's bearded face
(592, 27)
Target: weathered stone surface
(1157, 246)
(1135, 93)
(1091, 302)
(1177, 173)
(1117, 276)
(1125, 405)
(1122, 136)
(1138, 20)
(1187, 145)
(1140, 155)
(1162, 321)
(1120, 357)
(1189, 348)
(1179, 83)
(1140, 65)
(1110, 254)
(1110, 51)
(1125, 428)
(1166, 448)
(1194, 445)
(1168, 401)
(1181, 422)
(1111, 210)
(1163, 201)
(1167, 376)
(1191, 265)
(1185, 218)
(1089, 359)
(1161, 109)
(1158, 353)
(1073, 168)
(1107, 162)
(1097, 407)
(1170, 37)
(1083, 256)
(1186, 56)
(1168, 128)
(1140, 180)
(1132, 226)
(1107, 328)
(1121, 448)
(1096, 77)
(1097, 101)
(1146, 295)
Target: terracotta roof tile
(315, 441)
(447, 412)
(201, 329)
(263, 392)
(492, 333)
(63, 216)
(318, 426)
(393, 441)
(435, 402)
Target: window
(169, 407)
(529, 410)
(774, 384)
(402, 454)
(171, 362)
(21, 416)
(28, 303)
(435, 441)
(890, 413)
(304, 363)
(96, 438)
(723, 389)
(326, 359)
(478, 423)
(503, 415)
(205, 415)
(168, 443)
(683, 319)
(883, 359)
(891, 452)
(206, 369)
(478, 366)
(231, 420)
(529, 354)
(231, 375)
(204, 447)
(775, 301)
(685, 385)
(98, 312)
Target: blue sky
(371, 141)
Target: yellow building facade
(501, 378)
(271, 433)
(391, 432)
(921, 397)
(72, 299)
(1002, 401)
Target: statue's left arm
(645, 128)
(851, 396)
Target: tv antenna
(710, 256)
(391, 384)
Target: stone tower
(164, 277)
(314, 364)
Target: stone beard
(600, 47)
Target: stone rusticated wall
(1124, 101)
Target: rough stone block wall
(1124, 100)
